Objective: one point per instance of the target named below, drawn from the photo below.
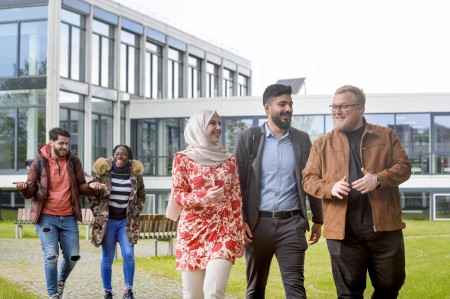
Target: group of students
(252, 202)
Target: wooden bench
(23, 218)
(158, 228)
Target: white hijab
(199, 147)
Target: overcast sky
(383, 46)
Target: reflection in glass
(153, 71)
(231, 128)
(175, 74)
(8, 50)
(243, 85)
(312, 124)
(442, 143)
(228, 83)
(33, 49)
(414, 133)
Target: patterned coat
(100, 202)
(207, 230)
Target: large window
(153, 71)
(102, 128)
(102, 54)
(195, 77)
(228, 83)
(71, 118)
(73, 43)
(22, 126)
(414, 133)
(157, 141)
(129, 62)
(243, 85)
(175, 74)
(441, 138)
(212, 80)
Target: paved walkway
(21, 261)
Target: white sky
(383, 46)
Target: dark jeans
(284, 238)
(382, 255)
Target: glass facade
(102, 54)
(73, 45)
(153, 71)
(228, 83)
(129, 62)
(71, 117)
(194, 77)
(212, 80)
(102, 128)
(243, 85)
(175, 74)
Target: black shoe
(128, 295)
(108, 295)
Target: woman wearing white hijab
(206, 186)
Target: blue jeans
(115, 231)
(55, 232)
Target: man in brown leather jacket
(356, 170)
(55, 181)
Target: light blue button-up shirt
(278, 185)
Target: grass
(9, 290)
(427, 246)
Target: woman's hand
(215, 194)
(97, 185)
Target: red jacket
(36, 193)
(382, 154)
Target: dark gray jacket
(251, 194)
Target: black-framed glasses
(341, 107)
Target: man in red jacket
(55, 181)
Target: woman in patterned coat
(116, 208)
(206, 185)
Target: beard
(59, 153)
(280, 123)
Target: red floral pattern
(207, 230)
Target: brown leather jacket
(78, 185)
(382, 154)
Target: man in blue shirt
(274, 202)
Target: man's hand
(367, 183)
(247, 233)
(340, 188)
(316, 233)
(20, 185)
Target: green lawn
(427, 265)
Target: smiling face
(214, 129)
(121, 157)
(349, 119)
(60, 147)
(279, 111)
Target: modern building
(114, 75)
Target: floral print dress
(207, 230)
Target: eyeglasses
(341, 107)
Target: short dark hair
(358, 92)
(275, 90)
(55, 132)
(129, 151)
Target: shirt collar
(269, 133)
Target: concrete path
(21, 261)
